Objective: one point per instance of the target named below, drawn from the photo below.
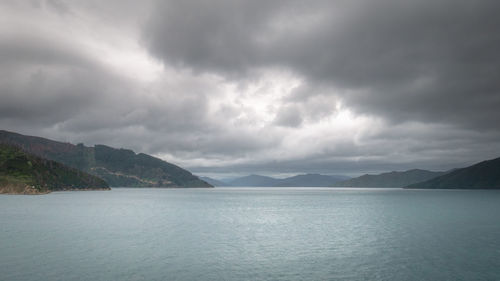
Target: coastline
(30, 190)
(17, 189)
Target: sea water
(251, 234)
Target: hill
(484, 175)
(391, 179)
(118, 167)
(254, 180)
(213, 182)
(310, 180)
(25, 173)
(306, 180)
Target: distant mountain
(307, 180)
(118, 167)
(311, 180)
(253, 180)
(213, 182)
(484, 175)
(392, 179)
(25, 173)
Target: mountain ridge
(396, 179)
(301, 180)
(213, 181)
(118, 167)
(482, 175)
(25, 173)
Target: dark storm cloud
(44, 81)
(52, 84)
(277, 86)
(288, 116)
(60, 89)
(212, 35)
(392, 149)
(432, 61)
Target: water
(251, 234)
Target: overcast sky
(231, 87)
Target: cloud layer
(406, 60)
(259, 86)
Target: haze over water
(251, 234)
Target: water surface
(251, 234)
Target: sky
(236, 87)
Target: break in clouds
(276, 87)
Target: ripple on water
(251, 234)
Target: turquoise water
(251, 234)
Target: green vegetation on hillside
(484, 175)
(391, 179)
(304, 180)
(122, 167)
(21, 172)
(118, 167)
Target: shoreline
(29, 190)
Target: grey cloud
(207, 34)
(391, 149)
(59, 6)
(45, 82)
(55, 89)
(432, 61)
(429, 69)
(288, 116)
